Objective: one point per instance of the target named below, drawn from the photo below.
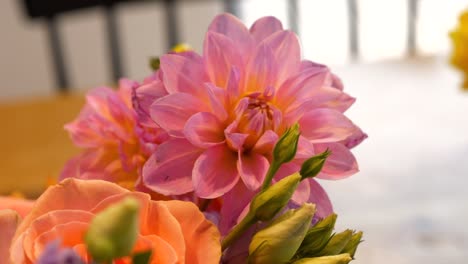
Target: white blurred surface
(410, 197)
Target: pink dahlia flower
(115, 145)
(226, 109)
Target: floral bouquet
(214, 158)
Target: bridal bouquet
(214, 158)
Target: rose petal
(9, 220)
(72, 194)
(21, 206)
(70, 234)
(196, 229)
(50, 220)
(159, 220)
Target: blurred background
(410, 197)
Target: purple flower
(53, 254)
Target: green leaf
(142, 257)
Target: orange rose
(9, 220)
(22, 206)
(176, 231)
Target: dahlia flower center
(256, 116)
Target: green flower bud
(113, 232)
(154, 63)
(337, 243)
(353, 244)
(311, 167)
(279, 241)
(337, 259)
(317, 236)
(265, 205)
(286, 147)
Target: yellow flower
(459, 38)
(181, 47)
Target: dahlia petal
(287, 52)
(301, 86)
(218, 99)
(326, 125)
(340, 164)
(233, 139)
(286, 170)
(262, 70)
(204, 130)
(172, 111)
(233, 28)
(264, 27)
(169, 170)
(215, 172)
(305, 149)
(302, 193)
(220, 54)
(355, 139)
(196, 228)
(9, 221)
(232, 86)
(252, 168)
(319, 197)
(266, 142)
(323, 97)
(144, 96)
(184, 74)
(234, 202)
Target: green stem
(238, 230)
(274, 167)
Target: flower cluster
(459, 38)
(213, 158)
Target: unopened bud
(268, 203)
(337, 243)
(352, 245)
(279, 241)
(113, 232)
(311, 167)
(318, 236)
(286, 147)
(337, 259)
